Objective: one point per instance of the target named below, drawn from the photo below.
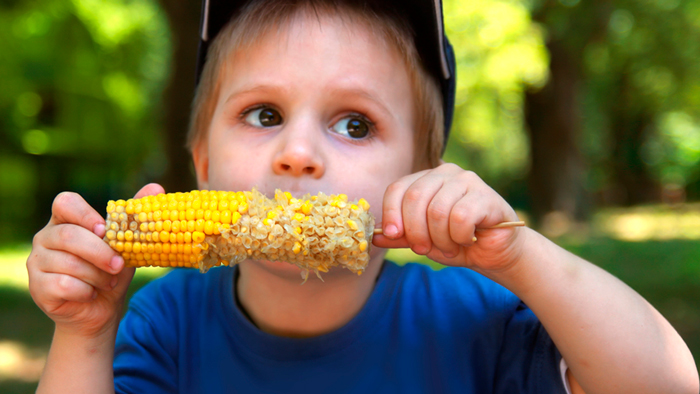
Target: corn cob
(204, 229)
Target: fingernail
(99, 230)
(116, 263)
(449, 255)
(391, 231)
(113, 282)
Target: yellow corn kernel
(364, 204)
(208, 227)
(306, 207)
(226, 217)
(235, 216)
(198, 237)
(363, 245)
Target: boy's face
(322, 106)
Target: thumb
(124, 279)
(150, 190)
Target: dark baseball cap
(424, 17)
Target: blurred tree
(553, 114)
(627, 76)
(81, 84)
(184, 16)
(500, 53)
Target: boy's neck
(283, 306)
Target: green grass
(665, 272)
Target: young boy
(311, 96)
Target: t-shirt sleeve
(529, 362)
(144, 358)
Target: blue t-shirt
(420, 331)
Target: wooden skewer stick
(499, 225)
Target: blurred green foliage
(79, 103)
(500, 52)
(637, 67)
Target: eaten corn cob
(204, 229)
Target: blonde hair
(258, 18)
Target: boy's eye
(353, 127)
(263, 117)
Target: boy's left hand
(436, 213)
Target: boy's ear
(200, 156)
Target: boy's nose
(299, 155)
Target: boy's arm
(79, 365)
(80, 283)
(611, 338)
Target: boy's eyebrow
(341, 92)
(362, 93)
(254, 89)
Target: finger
(60, 287)
(468, 213)
(392, 220)
(439, 211)
(382, 241)
(414, 209)
(150, 190)
(86, 245)
(58, 262)
(69, 207)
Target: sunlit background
(585, 115)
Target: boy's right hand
(74, 276)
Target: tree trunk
(552, 118)
(183, 16)
(630, 123)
